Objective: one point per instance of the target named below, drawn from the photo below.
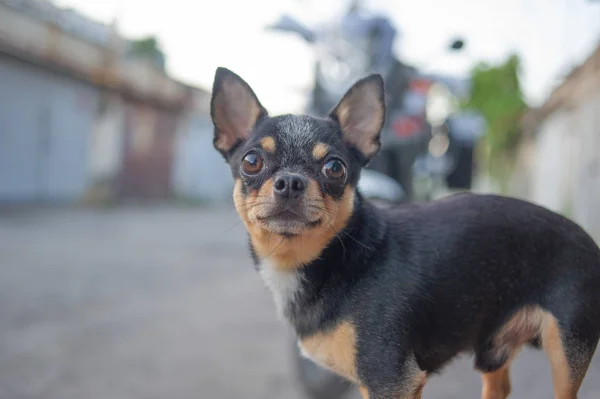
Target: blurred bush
(496, 94)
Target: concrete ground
(156, 302)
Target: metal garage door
(45, 124)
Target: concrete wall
(550, 169)
(586, 194)
(565, 164)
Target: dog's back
(493, 274)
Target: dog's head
(295, 175)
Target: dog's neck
(298, 292)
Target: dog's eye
(334, 169)
(252, 164)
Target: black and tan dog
(387, 297)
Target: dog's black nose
(289, 185)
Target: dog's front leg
(408, 383)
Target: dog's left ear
(234, 109)
(361, 114)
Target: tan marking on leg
(419, 391)
(565, 385)
(496, 385)
(523, 326)
(334, 349)
(526, 324)
(268, 144)
(411, 386)
(319, 151)
(364, 392)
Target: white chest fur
(284, 285)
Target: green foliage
(149, 48)
(147, 45)
(496, 94)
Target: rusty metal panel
(149, 136)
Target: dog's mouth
(288, 222)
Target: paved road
(160, 302)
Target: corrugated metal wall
(149, 140)
(45, 123)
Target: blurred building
(79, 118)
(199, 171)
(559, 160)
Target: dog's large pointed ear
(361, 114)
(234, 109)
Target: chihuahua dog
(386, 297)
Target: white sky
(198, 36)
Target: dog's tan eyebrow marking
(268, 144)
(319, 151)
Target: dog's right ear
(234, 109)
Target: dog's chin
(288, 227)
